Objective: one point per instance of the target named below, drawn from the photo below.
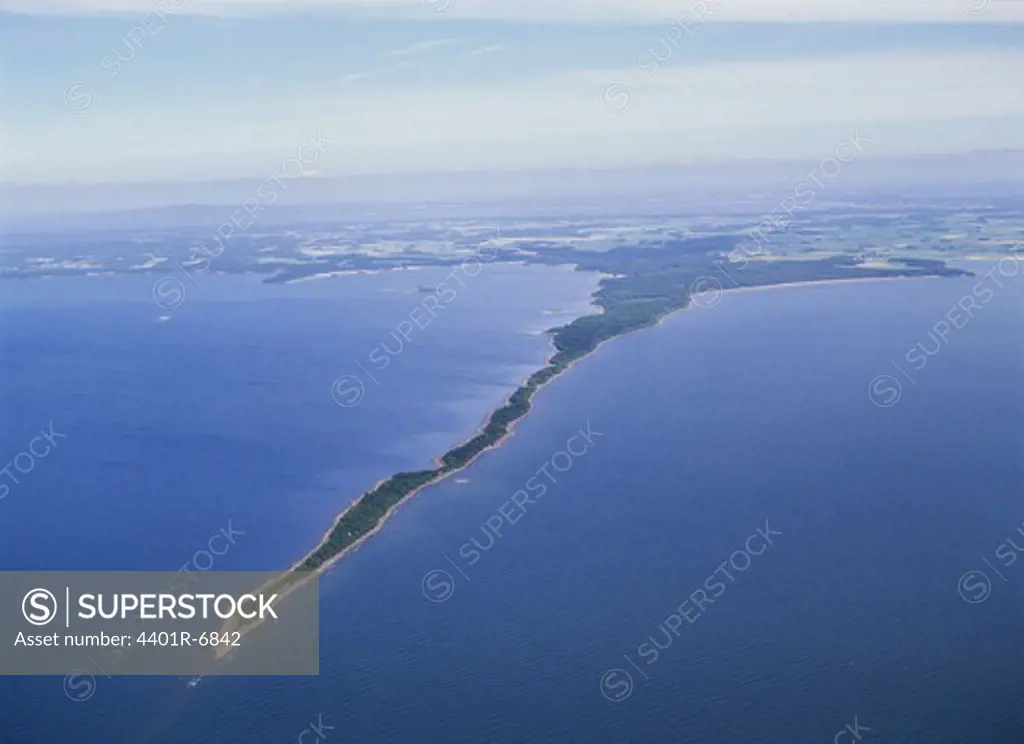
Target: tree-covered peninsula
(644, 287)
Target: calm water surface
(713, 424)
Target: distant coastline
(822, 282)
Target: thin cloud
(353, 76)
(483, 50)
(419, 47)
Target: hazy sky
(129, 90)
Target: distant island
(645, 287)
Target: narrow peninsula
(642, 289)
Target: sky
(116, 91)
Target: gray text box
(159, 622)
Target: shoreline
(823, 282)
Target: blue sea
(761, 522)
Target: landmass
(183, 244)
